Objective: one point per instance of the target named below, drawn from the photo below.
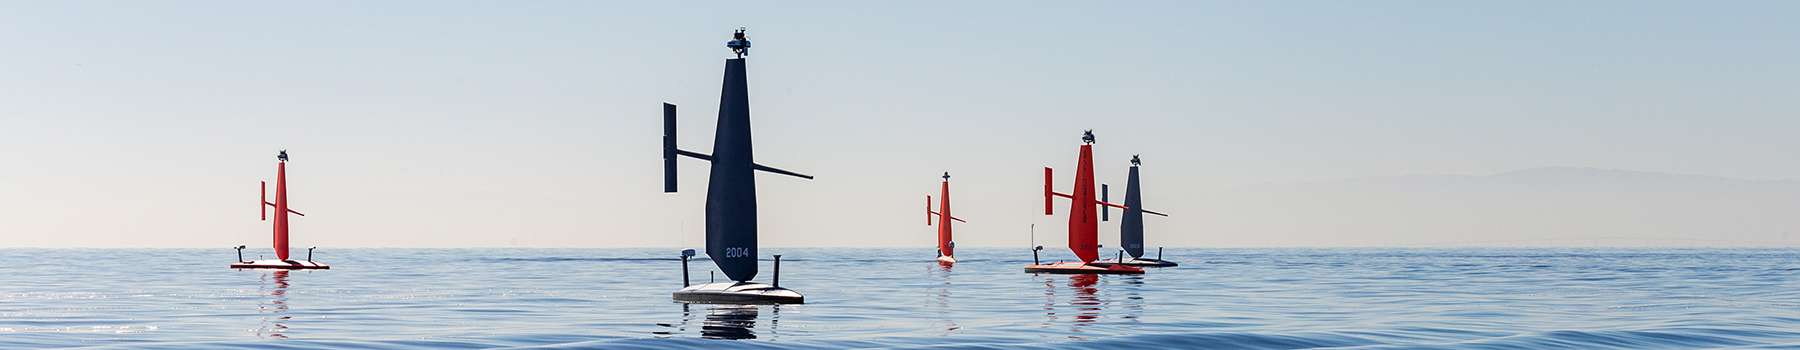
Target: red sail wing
(1084, 225)
(944, 221)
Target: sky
(537, 124)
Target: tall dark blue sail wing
(1131, 226)
(731, 192)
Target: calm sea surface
(900, 298)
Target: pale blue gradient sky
(128, 124)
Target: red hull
(1083, 268)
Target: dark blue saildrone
(730, 196)
(1131, 226)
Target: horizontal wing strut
(1115, 205)
(706, 157)
(779, 171)
(951, 218)
(290, 210)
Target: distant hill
(1553, 206)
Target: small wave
(1617, 339)
(1229, 340)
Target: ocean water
(900, 298)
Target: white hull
(280, 264)
(738, 293)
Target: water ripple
(899, 298)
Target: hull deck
(738, 293)
(280, 264)
(1081, 268)
(1138, 262)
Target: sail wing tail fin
(1049, 194)
(1105, 211)
(928, 212)
(668, 148)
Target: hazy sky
(439, 123)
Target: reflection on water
(730, 322)
(942, 297)
(1087, 303)
(1049, 301)
(724, 321)
(275, 311)
(1132, 286)
(1090, 300)
(670, 329)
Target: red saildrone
(281, 226)
(946, 246)
(1084, 220)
